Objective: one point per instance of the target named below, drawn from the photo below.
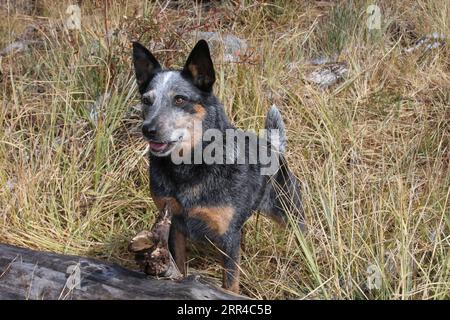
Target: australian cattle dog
(210, 200)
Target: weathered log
(29, 274)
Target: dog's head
(173, 100)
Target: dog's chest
(200, 204)
(195, 216)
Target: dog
(210, 201)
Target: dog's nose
(149, 130)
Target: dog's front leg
(231, 258)
(177, 247)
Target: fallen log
(29, 274)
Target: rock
(429, 42)
(24, 42)
(15, 47)
(321, 60)
(233, 47)
(27, 7)
(328, 75)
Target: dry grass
(372, 152)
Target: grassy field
(372, 152)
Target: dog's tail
(282, 199)
(275, 122)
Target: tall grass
(372, 152)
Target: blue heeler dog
(209, 201)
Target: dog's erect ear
(145, 66)
(199, 67)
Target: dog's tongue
(155, 146)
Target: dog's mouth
(158, 146)
(161, 149)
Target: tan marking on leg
(234, 285)
(216, 218)
(180, 252)
(161, 202)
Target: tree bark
(151, 248)
(29, 274)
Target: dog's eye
(146, 101)
(179, 100)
